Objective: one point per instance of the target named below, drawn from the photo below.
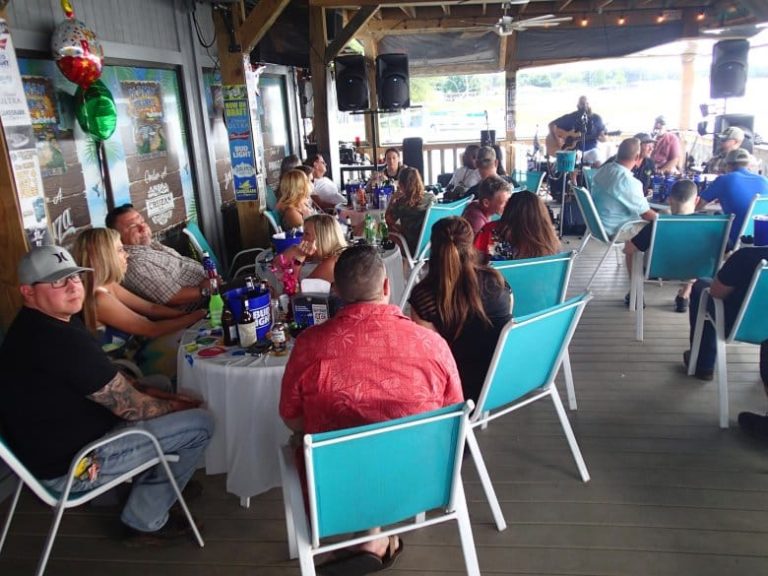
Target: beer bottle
(215, 304)
(383, 231)
(350, 231)
(246, 327)
(228, 325)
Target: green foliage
(460, 85)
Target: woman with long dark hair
(463, 301)
(405, 213)
(524, 231)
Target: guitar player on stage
(578, 130)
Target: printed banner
(241, 151)
(17, 125)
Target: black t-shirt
(574, 122)
(737, 272)
(474, 348)
(49, 367)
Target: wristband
(205, 292)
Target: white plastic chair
(523, 369)
(751, 325)
(378, 476)
(67, 499)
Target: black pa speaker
(351, 83)
(728, 74)
(744, 121)
(392, 81)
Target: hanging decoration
(96, 111)
(77, 52)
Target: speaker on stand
(351, 83)
(728, 73)
(392, 81)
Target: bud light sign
(258, 304)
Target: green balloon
(96, 111)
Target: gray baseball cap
(738, 156)
(47, 264)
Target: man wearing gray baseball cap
(730, 139)
(735, 190)
(60, 392)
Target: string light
(622, 20)
(584, 21)
(660, 18)
(700, 16)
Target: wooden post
(13, 241)
(508, 63)
(324, 123)
(688, 80)
(253, 226)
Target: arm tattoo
(122, 399)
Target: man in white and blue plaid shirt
(156, 272)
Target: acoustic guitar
(567, 140)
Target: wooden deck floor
(671, 493)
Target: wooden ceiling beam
(383, 27)
(446, 9)
(564, 5)
(258, 23)
(358, 21)
(409, 11)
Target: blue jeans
(708, 348)
(184, 433)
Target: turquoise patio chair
(537, 284)
(758, 207)
(379, 475)
(523, 369)
(200, 244)
(596, 230)
(274, 221)
(589, 175)
(533, 181)
(67, 499)
(419, 259)
(683, 247)
(751, 325)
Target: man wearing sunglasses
(60, 392)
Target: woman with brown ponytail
(463, 301)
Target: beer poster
(69, 168)
(238, 119)
(17, 125)
(148, 154)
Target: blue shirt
(735, 192)
(618, 196)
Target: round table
(357, 217)
(242, 392)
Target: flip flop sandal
(362, 563)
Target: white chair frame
(481, 418)
(723, 339)
(599, 233)
(303, 540)
(66, 499)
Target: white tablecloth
(242, 393)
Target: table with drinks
(241, 388)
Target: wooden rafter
(360, 19)
(421, 25)
(603, 4)
(409, 11)
(446, 9)
(564, 5)
(258, 22)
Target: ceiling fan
(507, 24)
